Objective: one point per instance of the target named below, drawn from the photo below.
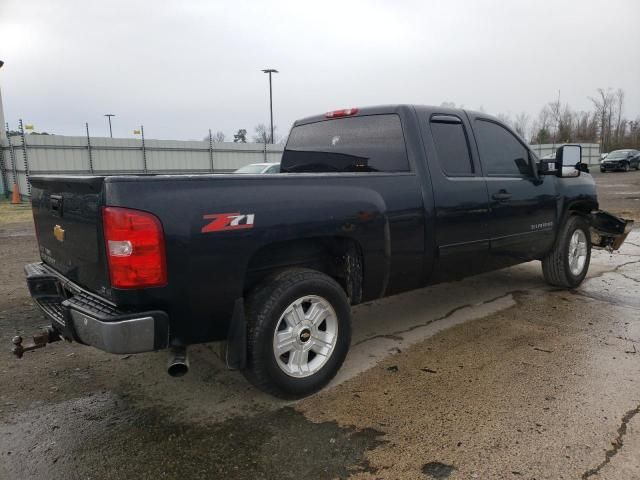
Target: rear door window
(373, 143)
(500, 151)
(452, 146)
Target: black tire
(264, 307)
(626, 167)
(603, 170)
(555, 266)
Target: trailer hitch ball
(38, 340)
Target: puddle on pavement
(102, 436)
(437, 470)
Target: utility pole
(109, 115)
(270, 71)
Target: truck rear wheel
(299, 331)
(567, 264)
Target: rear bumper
(88, 319)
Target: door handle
(501, 196)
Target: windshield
(618, 154)
(253, 168)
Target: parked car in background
(621, 160)
(259, 168)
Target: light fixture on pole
(270, 71)
(109, 115)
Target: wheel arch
(339, 257)
(580, 207)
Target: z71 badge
(222, 222)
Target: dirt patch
(20, 213)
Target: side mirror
(569, 161)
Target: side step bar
(609, 231)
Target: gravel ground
(497, 376)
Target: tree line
(262, 134)
(556, 122)
(605, 123)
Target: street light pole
(270, 71)
(109, 115)
(3, 136)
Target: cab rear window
(373, 143)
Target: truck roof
(382, 109)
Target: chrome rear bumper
(86, 318)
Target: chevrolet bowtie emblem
(58, 232)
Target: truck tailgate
(67, 216)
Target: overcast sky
(182, 67)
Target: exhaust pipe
(178, 364)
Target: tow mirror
(569, 161)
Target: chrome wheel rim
(305, 336)
(577, 252)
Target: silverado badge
(58, 232)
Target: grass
(14, 213)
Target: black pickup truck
(369, 203)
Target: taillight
(345, 112)
(135, 248)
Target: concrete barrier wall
(590, 151)
(57, 154)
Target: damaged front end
(608, 231)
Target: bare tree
(620, 104)
(219, 137)
(216, 137)
(603, 104)
(585, 127)
(263, 134)
(521, 124)
(542, 127)
(505, 118)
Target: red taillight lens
(345, 112)
(135, 248)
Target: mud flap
(608, 231)
(236, 344)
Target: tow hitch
(39, 340)
(609, 231)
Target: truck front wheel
(567, 264)
(299, 331)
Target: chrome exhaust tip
(178, 364)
